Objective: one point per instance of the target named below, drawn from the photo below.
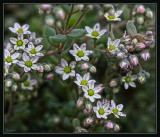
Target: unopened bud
(46, 6)
(130, 48)
(88, 121)
(141, 78)
(92, 69)
(134, 41)
(59, 24)
(90, 7)
(86, 111)
(109, 125)
(41, 12)
(14, 87)
(116, 90)
(60, 14)
(15, 76)
(85, 66)
(149, 33)
(120, 55)
(133, 59)
(147, 74)
(140, 46)
(145, 54)
(49, 20)
(141, 9)
(80, 102)
(8, 83)
(149, 14)
(41, 69)
(56, 119)
(116, 128)
(113, 83)
(50, 76)
(124, 64)
(140, 20)
(11, 50)
(47, 67)
(88, 105)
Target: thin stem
(110, 31)
(140, 67)
(94, 43)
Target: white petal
(91, 99)
(116, 116)
(15, 61)
(116, 42)
(20, 36)
(59, 70)
(39, 54)
(15, 55)
(132, 84)
(102, 32)
(108, 42)
(120, 107)
(38, 48)
(64, 63)
(88, 52)
(95, 109)
(25, 41)
(65, 76)
(106, 14)
(34, 59)
(88, 29)
(30, 45)
(76, 47)
(91, 85)
(25, 57)
(118, 13)
(13, 40)
(121, 114)
(113, 104)
(33, 82)
(97, 96)
(123, 79)
(72, 52)
(96, 27)
(6, 53)
(86, 76)
(25, 27)
(13, 30)
(126, 85)
(34, 66)
(17, 26)
(77, 58)
(78, 83)
(21, 63)
(78, 77)
(72, 64)
(72, 73)
(97, 89)
(133, 77)
(26, 69)
(85, 58)
(85, 88)
(38, 40)
(83, 46)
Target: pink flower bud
(133, 59)
(124, 64)
(60, 14)
(145, 55)
(134, 41)
(80, 102)
(149, 33)
(46, 6)
(149, 14)
(88, 121)
(109, 125)
(113, 83)
(120, 55)
(141, 9)
(50, 76)
(140, 46)
(41, 69)
(85, 66)
(86, 111)
(116, 128)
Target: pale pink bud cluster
(141, 9)
(134, 59)
(50, 76)
(109, 125)
(85, 66)
(145, 55)
(46, 6)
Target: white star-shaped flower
(116, 109)
(29, 83)
(102, 110)
(80, 53)
(19, 43)
(33, 51)
(18, 29)
(128, 80)
(95, 32)
(66, 70)
(91, 92)
(113, 17)
(113, 45)
(28, 63)
(83, 81)
(9, 59)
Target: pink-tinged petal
(113, 104)
(83, 46)
(59, 70)
(91, 85)
(25, 41)
(32, 36)
(88, 29)
(86, 76)
(13, 30)
(96, 27)
(13, 40)
(65, 76)
(64, 63)
(6, 53)
(72, 73)
(15, 55)
(9, 45)
(34, 59)
(25, 27)
(132, 84)
(38, 48)
(72, 64)
(126, 85)
(17, 26)
(118, 13)
(120, 107)
(25, 57)
(30, 45)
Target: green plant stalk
(111, 31)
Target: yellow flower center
(28, 63)
(84, 82)
(111, 16)
(33, 51)
(128, 79)
(95, 33)
(115, 111)
(26, 84)
(111, 47)
(9, 59)
(80, 53)
(90, 92)
(19, 43)
(20, 30)
(67, 69)
(101, 111)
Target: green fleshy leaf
(57, 38)
(131, 29)
(77, 33)
(66, 8)
(75, 122)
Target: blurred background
(51, 106)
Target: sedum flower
(34, 51)
(128, 80)
(113, 45)
(66, 70)
(80, 53)
(19, 43)
(18, 29)
(116, 110)
(33, 38)
(113, 17)
(91, 92)
(9, 59)
(29, 83)
(101, 110)
(95, 32)
(83, 81)
(28, 63)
